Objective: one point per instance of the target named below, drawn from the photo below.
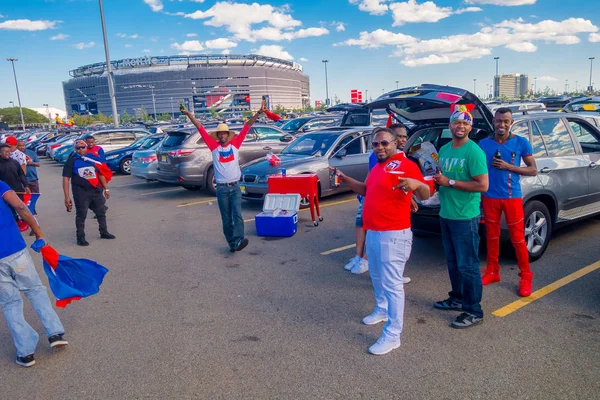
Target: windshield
(312, 144)
(294, 124)
(589, 105)
(175, 139)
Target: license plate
(243, 189)
(163, 157)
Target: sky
(371, 45)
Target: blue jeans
(17, 273)
(461, 245)
(230, 204)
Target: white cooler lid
(287, 202)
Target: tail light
(55, 146)
(149, 159)
(181, 152)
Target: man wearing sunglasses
(87, 183)
(386, 219)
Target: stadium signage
(140, 61)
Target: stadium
(228, 84)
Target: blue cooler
(279, 216)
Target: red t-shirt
(385, 209)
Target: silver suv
(566, 148)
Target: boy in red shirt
(386, 218)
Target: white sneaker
(361, 267)
(353, 261)
(375, 318)
(406, 279)
(384, 346)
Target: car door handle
(545, 170)
(593, 165)
(267, 148)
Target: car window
(311, 144)
(122, 138)
(520, 129)
(174, 140)
(321, 123)
(343, 143)
(585, 136)
(265, 133)
(251, 137)
(354, 146)
(556, 137)
(593, 121)
(537, 144)
(102, 139)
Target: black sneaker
(448, 304)
(26, 361)
(82, 242)
(232, 249)
(466, 320)
(107, 236)
(242, 244)
(57, 341)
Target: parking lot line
(514, 306)
(137, 183)
(161, 191)
(335, 203)
(350, 246)
(196, 202)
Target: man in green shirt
(463, 177)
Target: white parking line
(136, 183)
(162, 191)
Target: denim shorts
(359, 219)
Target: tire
(125, 166)
(192, 187)
(538, 228)
(211, 184)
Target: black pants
(89, 199)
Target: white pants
(388, 253)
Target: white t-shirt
(19, 156)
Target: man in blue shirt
(504, 152)
(18, 274)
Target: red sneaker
(22, 226)
(490, 277)
(525, 287)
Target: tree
(12, 116)
(144, 114)
(164, 117)
(125, 117)
(247, 114)
(213, 112)
(279, 109)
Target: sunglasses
(383, 143)
(79, 147)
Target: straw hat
(222, 127)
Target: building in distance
(511, 85)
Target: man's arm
(356, 186)
(104, 184)
(529, 170)
(239, 139)
(210, 142)
(15, 202)
(479, 183)
(23, 180)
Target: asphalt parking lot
(178, 316)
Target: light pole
(566, 86)
(487, 90)
(367, 95)
(172, 112)
(591, 87)
(397, 84)
(13, 103)
(496, 85)
(534, 85)
(109, 75)
(475, 86)
(576, 86)
(153, 102)
(12, 60)
(326, 83)
(48, 113)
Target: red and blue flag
(70, 279)
(30, 199)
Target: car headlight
(263, 179)
(112, 157)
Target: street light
(12, 60)
(566, 86)
(48, 112)
(153, 102)
(576, 86)
(591, 87)
(475, 86)
(397, 84)
(109, 76)
(172, 112)
(13, 103)
(326, 83)
(496, 85)
(535, 85)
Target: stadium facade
(229, 84)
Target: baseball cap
(11, 141)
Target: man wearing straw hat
(224, 145)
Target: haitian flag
(30, 199)
(102, 168)
(70, 279)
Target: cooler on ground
(279, 216)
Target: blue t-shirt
(11, 241)
(31, 174)
(372, 160)
(505, 184)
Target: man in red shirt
(386, 218)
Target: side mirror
(342, 153)
(305, 128)
(286, 138)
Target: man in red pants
(504, 152)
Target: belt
(230, 184)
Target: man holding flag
(17, 273)
(88, 177)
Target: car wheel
(211, 183)
(125, 166)
(538, 228)
(192, 187)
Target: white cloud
(523, 47)
(134, 36)
(514, 34)
(154, 39)
(276, 34)
(187, 46)
(341, 27)
(124, 35)
(226, 52)
(155, 5)
(147, 51)
(191, 35)
(1, 16)
(128, 46)
(547, 78)
(121, 35)
(82, 45)
(411, 11)
(373, 7)
(594, 37)
(503, 2)
(220, 43)
(303, 59)
(60, 36)
(274, 51)
(28, 25)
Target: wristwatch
(451, 183)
